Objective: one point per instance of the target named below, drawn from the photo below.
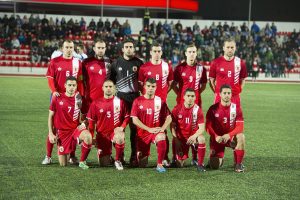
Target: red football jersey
(60, 68)
(108, 114)
(222, 119)
(95, 72)
(151, 112)
(187, 120)
(162, 73)
(66, 111)
(189, 77)
(228, 72)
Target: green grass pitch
(272, 129)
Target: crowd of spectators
(262, 47)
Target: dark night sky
(262, 10)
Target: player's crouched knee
(86, 136)
(119, 138)
(201, 139)
(240, 141)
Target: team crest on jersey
(237, 68)
(134, 68)
(149, 73)
(120, 68)
(179, 116)
(101, 110)
(233, 115)
(61, 103)
(222, 69)
(117, 108)
(166, 72)
(183, 74)
(141, 107)
(217, 115)
(61, 149)
(92, 68)
(59, 69)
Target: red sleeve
(204, 76)
(134, 108)
(174, 114)
(165, 112)
(208, 124)
(141, 75)
(212, 70)
(243, 73)
(51, 70)
(239, 128)
(92, 118)
(200, 117)
(51, 84)
(171, 76)
(126, 115)
(177, 76)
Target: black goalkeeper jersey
(124, 73)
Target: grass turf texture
(272, 128)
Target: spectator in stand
(15, 43)
(126, 28)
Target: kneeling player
(225, 125)
(151, 116)
(64, 113)
(187, 129)
(111, 117)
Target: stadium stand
(274, 52)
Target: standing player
(124, 73)
(159, 70)
(59, 69)
(63, 121)
(111, 117)
(95, 71)
(225, 125)
(189, 74)
(187, 129)
(228, 69)
(162, 72)
(151, 116)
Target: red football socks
(49, 147)
(85, 150)
(119, 151)
(239, 156)
(161, 147)
(201, 153)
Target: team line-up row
(108, 97)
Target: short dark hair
(67, 41)
(151, 80)
(71, 78)
(155, 44)
(229, 39)
(189, 90)
(99, 40)
(190, 45)
(128, 40)
(224, 86)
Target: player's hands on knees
(55, 94)
(154, 130)
(118, 129)
(82, 126)
(219, 139)
(226, 138)
(192, 139)
(52, 138)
